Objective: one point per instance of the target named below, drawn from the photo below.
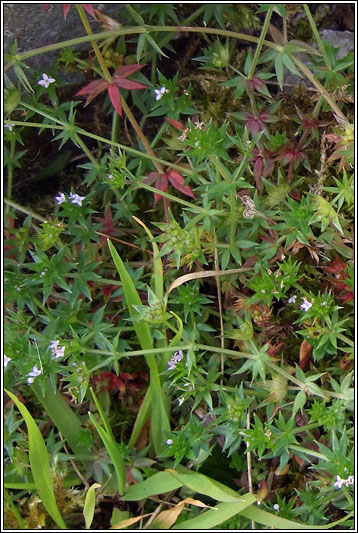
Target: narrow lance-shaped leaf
(39, 462)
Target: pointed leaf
(115, 98)
(176, 124)
(129, 84)
(177, 181)
(39, 462)
(161, 184)
(126, 70)
(90, 503)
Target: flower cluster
(339, 482)
(57, 351)
(74, 198)
(177, 357)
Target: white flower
(169, 442)
(306, 305)
(292, 299)
(60, 352)
(32, 375)
(178, 356)
(160, 92)
(350, 480)
(9, 126)
(110, 176)
(57, 351)
(76, 199)
(276, 507)
(180, 401)
(45, 82)
(339, 482)
(6, 360)
(60, 198)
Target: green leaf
(160, 425)
(213, 517)
(39, 462)
(205, 485)
(279, 70)
(157, 484)
(299, 402)
(89, 506)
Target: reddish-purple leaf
(90, 9)
(176, 124)
(93, 89)
(65, 9)
(161, 183)
(177, 181)
(129, 84)
(126, 70)
(115, 97)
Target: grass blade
(160, 425)
(214, 517)
(39, 462)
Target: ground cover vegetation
(179, 276)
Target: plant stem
(86, 151)
(141, 135)
(10, 172)
(94, 45)
(260, 43)
(317, 37)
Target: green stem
(101, 139)
(86, 151)
(141, 135)
(10, 171)
(260, 43)
(319, 86)
(94, 45)
(115, 122)
(317, 37)
(233, 203)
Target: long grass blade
(39, 462)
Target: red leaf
(129, 84)
(93, 89)
(90, 9)
(65, 9)
(115, 97)
(177, 125)
(177, 181)
(161, 184)
(126, 70)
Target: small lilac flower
(6, 360)
(339, 482)
(292, 299)
(276, 507)
(180, 401)
(306, 305)
(45, 82)
(350, 480)
(178, 356)
(76, 199)
(60, 352)
(60, 198)
(9, 126)
(169, 442)
(32, 375)
(57, 351)
(160, 92)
